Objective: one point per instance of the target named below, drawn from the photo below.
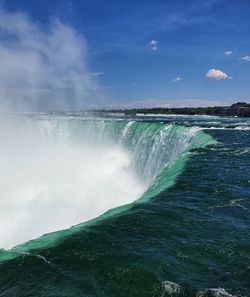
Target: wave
(134, 159)
(174, 289)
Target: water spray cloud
(43, 67)
(55, 174)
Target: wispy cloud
(245, 58)
(148, 20)
(96, 74)
(176, 79)
(228, 53)
(42, 68)
(217, 74)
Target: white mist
(51, 183)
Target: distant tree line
(240, 109)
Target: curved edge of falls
(159, 151)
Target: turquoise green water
(187, 235)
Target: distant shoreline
(239, 109)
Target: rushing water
(160, 206)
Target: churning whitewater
(61, 171)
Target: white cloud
(178, 78)
(42, 68)
(154, 48)
(245, 58)
(228, 53)
(217, 74)
(153, 45)
(153, 42)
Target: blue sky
(150, 53)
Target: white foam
(54, 184)
(242, 128)
(215, 292)
(171, 288)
